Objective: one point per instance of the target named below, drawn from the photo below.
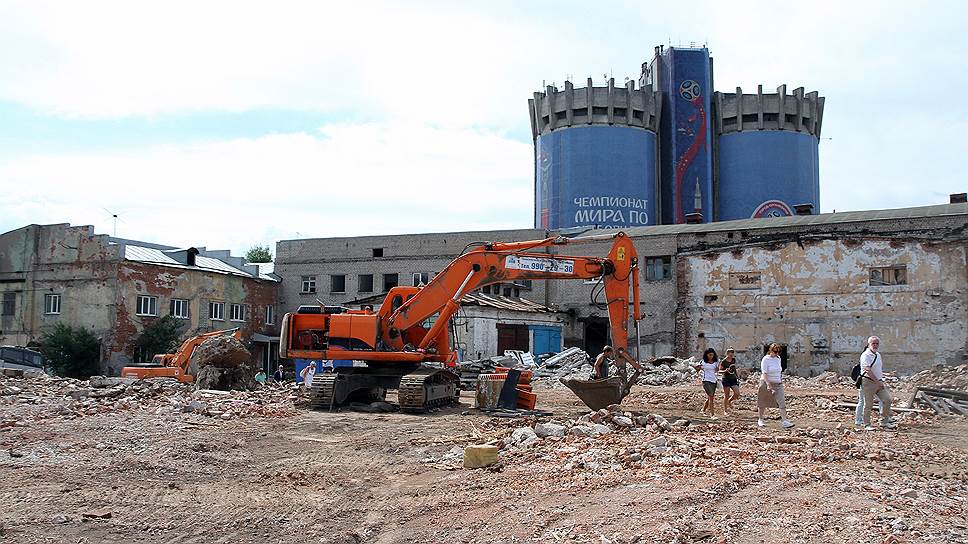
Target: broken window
(658, 268)
(9, 303)
(390, 281)
(147, 305)
(309, 284)
(366, 283)
(216, 311)
(378, 252)
(52, 304)
(888, 275)
(337, 283)
(420, 278)
(179, 308)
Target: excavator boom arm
(503, 262)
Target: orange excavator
(175, 365)
(406, 344)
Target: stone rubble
(29, 399)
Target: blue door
(546, 339)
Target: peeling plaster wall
(72, 262)
(99, 291)
(815, 297)
(199, 287)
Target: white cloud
(345, 180)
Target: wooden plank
(946, 393)
(927, 400)
(954, 407)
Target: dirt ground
(348, 477)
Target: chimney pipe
(959, 198)
(803, 209)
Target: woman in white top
(710, 378)
(770, 393)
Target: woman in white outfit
(770, 393)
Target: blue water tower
(768, 161)
(596, 152)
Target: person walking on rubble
(710, 378)
(859, 410)
(872, 374)
(771, 393)
(308, 374)
(730, 380)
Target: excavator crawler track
(427, 388)
(322, 392)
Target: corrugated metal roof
(805, 220)
(505, 303)
(156, 256)
(212, 263)
(147, 255)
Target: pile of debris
(668, 371)
(940, 377)
(223, 363)
(44, 397)
(573, 362)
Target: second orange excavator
(175, 365)
(406, 345)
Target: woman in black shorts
(730, 382)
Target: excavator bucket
(597, 394)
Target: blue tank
(767, 173)
(595, 156)
(595, 176)
(767, 162)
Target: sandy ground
(360, 477)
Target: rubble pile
(668, 371)
(222, 362)
(572, 362)
(940, 377)
(469, 371)
(609, 448)
(27, 399)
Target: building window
(147, 305)
(9, 303)
(142, 354)
(52, 304)
(179, 308)
(420, 278)
(216, 311)
(378, 252)
(270, 315)
(238, 312)
(888, 275)
(658, 268)
(309, 284)
(366, 283)
(390, 281)
(337, 283)
(486, 289)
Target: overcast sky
(229, 124)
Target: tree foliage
(161, 336)
(71, 351)
(259, 254)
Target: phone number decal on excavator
(559, 266)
